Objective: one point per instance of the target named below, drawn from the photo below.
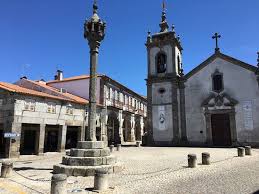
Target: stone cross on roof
(216, 36)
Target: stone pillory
(90, 155)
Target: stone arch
(126, 128)
(113, 129)
(138, 129)
(161, 62)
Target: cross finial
(163, 6)
(95, 7)
(163, 25)
(216, 36)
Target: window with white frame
(115, 95)
(111, 94)
(121, 97)
(29, 105)
(129, 101)
(133, 102)
(126, 100)
(69, 110)
(51, 108)
(107, 92)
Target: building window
(111, 94)
(161, 63)
(1, 102)
(51, 108)
(29, 105)
(126, 100)
(69, 110)
(107, 93)
(129, 101)
(121, 98)
(217, 81)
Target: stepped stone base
(86, 158)
(85, 170)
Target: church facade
(215, 104)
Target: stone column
(149, 138)
(182, 112)
(120, 118)
(81, 133)
(41, 139)
(13, 144)
(62, 138)
(132, 128)
(141, 127)
(91, 133)
(104, 120)
(175, 111)
(232, 117)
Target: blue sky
(37, 37)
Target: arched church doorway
(221, 133)
(113, 129)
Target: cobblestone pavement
(148, 170)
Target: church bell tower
(165, 87)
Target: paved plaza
(148, 170)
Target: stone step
(89, 161)
(85, 170)
(90, 145)
(79, 170)
(89, 152)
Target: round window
(161, 90)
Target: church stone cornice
(224, 57)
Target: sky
(39, 37)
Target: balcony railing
(125, 107)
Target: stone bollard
(111, 148)
(59, 184)
(101, 180)
(67, 152)
(7, 168)
(138, 143)
(118, 147)
(241, 152)
(205, 158)
(192, 160)
(248, 150)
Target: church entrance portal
(220, 125)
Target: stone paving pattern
(148, 170)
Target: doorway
(2, 141)
(29, 139)
(221, 134)
(51, 138)
(72, 137)
(29, 142)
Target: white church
(215, 104)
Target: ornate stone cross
(216, 36)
